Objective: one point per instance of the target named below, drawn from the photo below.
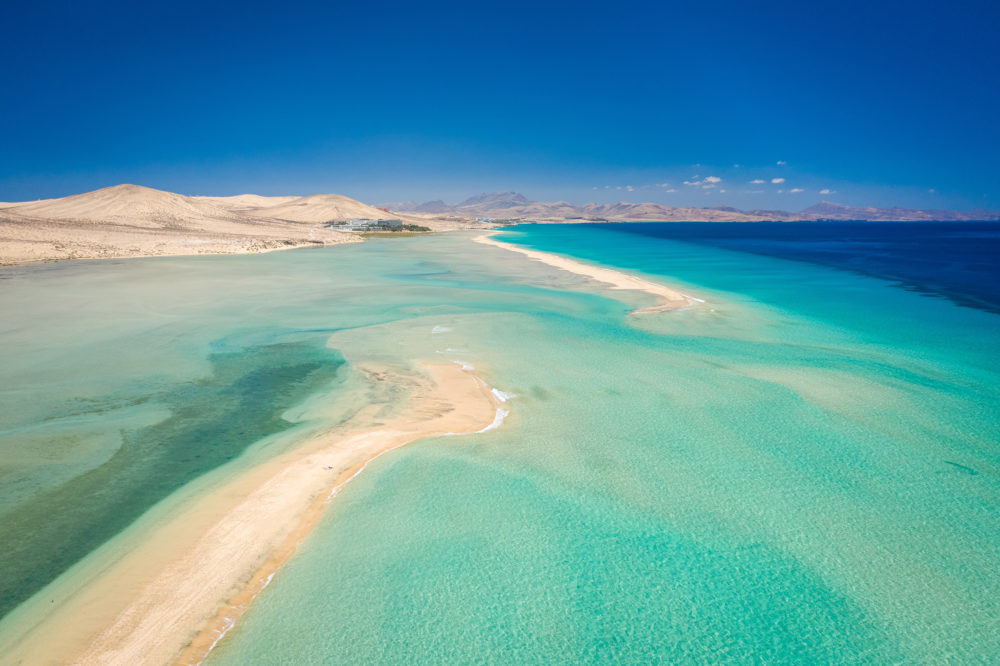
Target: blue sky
(880, 103)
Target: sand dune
(247, 201)
(133, 204)
(324, 208)
(136, 221)
(320, 208)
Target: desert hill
(133, 221)
(319, 208)
(134, 204)
(247, 201)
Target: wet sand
(669, 299)
(172, 597)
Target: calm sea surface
(803, 468)
(957, 260)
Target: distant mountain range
(514, 206)
(131, 220)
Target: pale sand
(171, 598)
(136, 221)
(670, 299)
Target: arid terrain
(137, 221)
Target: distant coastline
(514, 207)
(135, 221)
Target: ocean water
(804, 468)
(956, 260)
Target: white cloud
(781, 191)
(706, 183)
(722, 191)
(671, 190)
(663, 184)
(777, 181)
(618, 187)
(757, 181)
(796, 190)
(826, 191)
(736, 166)
(630, 188)
(932, 190)
(782, 162)
(756, 191)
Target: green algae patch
(211, 421)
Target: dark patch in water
(539, 393)
(212, 421)
(967, 470)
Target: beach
(669, 299)
(665, 487)
(135, 221)
(227, 546)
(192, 579)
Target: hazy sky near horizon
(751, 104)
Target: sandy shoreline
(670, 299)
(131, 221)
(171, 598)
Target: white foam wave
(440, 329)
(502, 396)
(449, 350)
(497, 421)
(230, 623)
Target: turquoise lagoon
(804, 468)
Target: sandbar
(172, 598)
(669, 299)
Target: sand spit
(172, 598)
(670, 299)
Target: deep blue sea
(957, 260)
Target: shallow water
(803, 468)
